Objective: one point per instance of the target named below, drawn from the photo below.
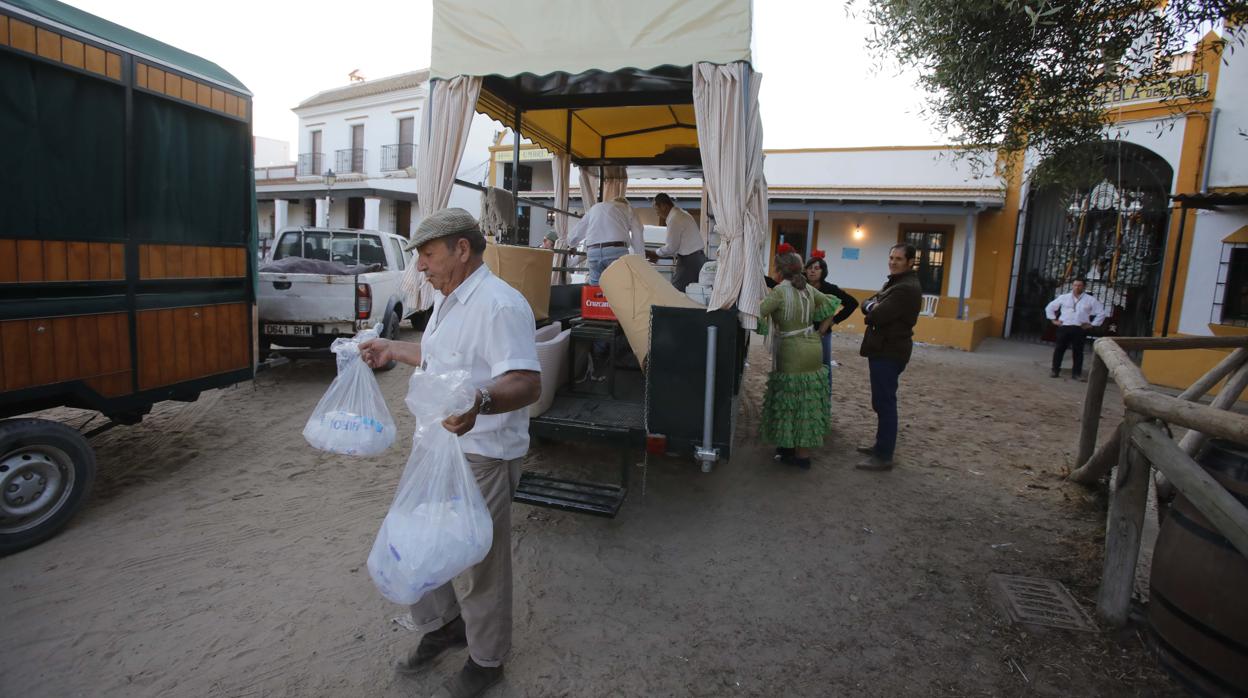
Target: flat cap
(448, 221)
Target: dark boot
(471, 681)
(431, 646)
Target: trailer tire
(46, 473)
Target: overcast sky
(819, 87)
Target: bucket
(1198, 603)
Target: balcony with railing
(349, 160)
(264, 174)
(398, 156)
(311, 164)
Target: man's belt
(607, 244)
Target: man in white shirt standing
(1073, 314)
(610, 230)
(684, 242)
(482, 325)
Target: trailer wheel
(46, 472)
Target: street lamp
(330, 178)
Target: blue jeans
(884, 375)
(826, 340)
(600, 258)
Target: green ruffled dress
(796, 407)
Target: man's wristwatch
(487, 407)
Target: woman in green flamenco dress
(796, 414)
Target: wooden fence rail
(1140, 445)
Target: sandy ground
(221, 556)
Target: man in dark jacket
(890, 317)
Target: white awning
(505, 37)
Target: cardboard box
(526, 269)
(594, 305)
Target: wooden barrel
(1198, 606)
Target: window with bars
(929, 261)
(1230, 295)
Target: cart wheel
(391, 332)
(46, 472)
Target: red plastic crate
(594, 305)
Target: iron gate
(1112, 234)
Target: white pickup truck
(300, 314)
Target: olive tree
(1010, 74)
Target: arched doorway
(1111, 233)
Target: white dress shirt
(1083, 310)
(485, 327)
(610, 221)
(683, 235)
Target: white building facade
(356, 158)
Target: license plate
(289, 330)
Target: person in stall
(610, 230)
(684, 242)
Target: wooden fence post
(1127, 502)
(1092, 402)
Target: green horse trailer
(127, 238)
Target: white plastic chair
(929, 305)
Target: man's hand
(1086, 325)
(377, 352)
(1057, 323)
(461, 424)
(652, 256)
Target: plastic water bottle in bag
(438, 525)
(352, 417)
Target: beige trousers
(484, 597)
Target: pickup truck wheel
(46, 472)
(420, 319)
(391, 332)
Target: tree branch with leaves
(1015, 74)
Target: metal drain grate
(1040, 602)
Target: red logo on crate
(594, 305)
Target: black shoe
(471, 681)
(783, 453)
(1054, 373)
(1078, 377)
(803, 463)
(866, 450)
(431, 646)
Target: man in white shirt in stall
(1073, 314)
(684, 242)
(481, 324)
(610, 230)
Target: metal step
(569, 495)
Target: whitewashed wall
(1203, 269)
(870, 270)
(881, 167)
(1230, 153)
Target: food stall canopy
(504, 37)
(607, 83)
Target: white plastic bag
(438, 524)
(352, 417)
